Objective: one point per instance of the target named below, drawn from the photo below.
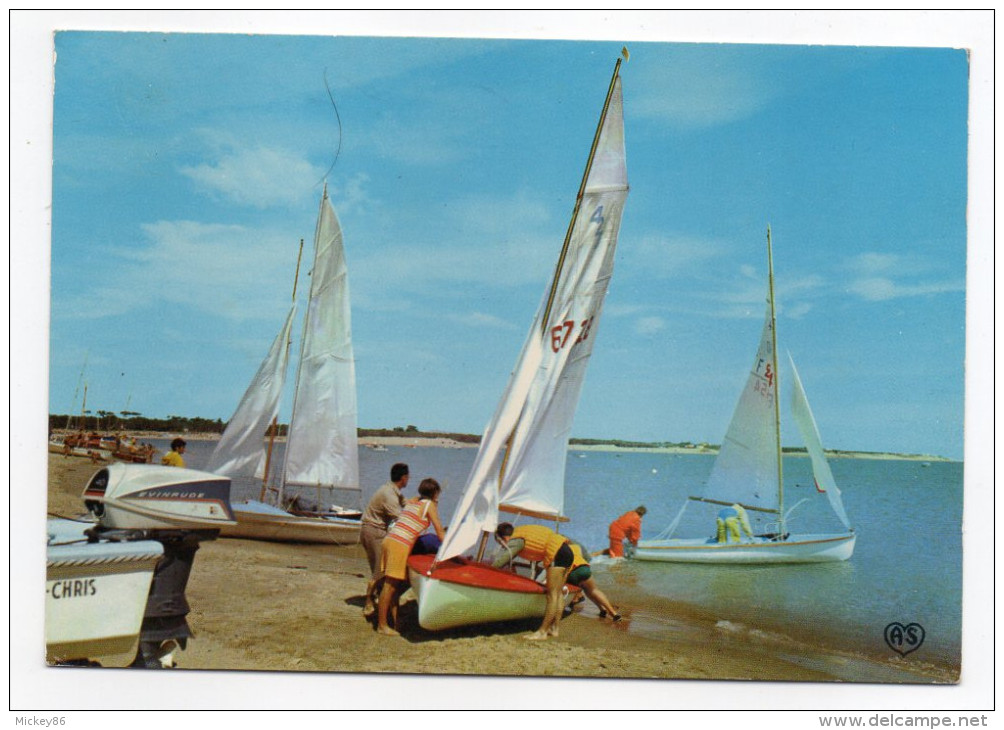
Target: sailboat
(748, 472)
(520, 465)
(321, 453)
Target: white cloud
(695, 88)
(485, 241)
(880, 277)
(224, 270)
(649, 325)
(674, 254)
(261, 176)
(877, 288)
(480, 319)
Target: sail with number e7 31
(520, 465)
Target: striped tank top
(411, 523)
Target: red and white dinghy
(520, 465)
(461, 592)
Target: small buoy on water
(655, 471)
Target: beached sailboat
(321, 451)
(748, 472)
(520, 465)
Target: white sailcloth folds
(520, 465)
(239, 452)
(746, 469)
(322, 445)
(813, 443)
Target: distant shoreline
(446, 442)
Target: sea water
(906, 567)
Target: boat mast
(777, 390)
(303, 340)
(80, 379)
(275, 420)
(578, 197)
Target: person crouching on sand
(539, 544)
(416, 516)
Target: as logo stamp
(904, 639)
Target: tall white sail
(520, 465)
(810, 436)
(239, 452)
(322, 446)
(746, 468)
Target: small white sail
(239, 452)
(746, 470)
(521, 460)
(810, 436)
(322, 445)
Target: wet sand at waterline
(275, 607)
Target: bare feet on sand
(387, 631)
(535, 636)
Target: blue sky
(186, 167)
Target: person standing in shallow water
(174, 456)
(626, 527)
(382, 509)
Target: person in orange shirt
(626, 527)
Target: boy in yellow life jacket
(537, 543)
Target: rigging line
(338, 117)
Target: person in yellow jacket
(539, 544)
(729, 521)
(173, 457)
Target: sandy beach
(273, 606)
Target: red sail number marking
(561, 333)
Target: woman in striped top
(416, 516)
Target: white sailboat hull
(95, 595)
(468, 594)
(258, 521)
(820, 548)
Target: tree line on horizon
(126, 421)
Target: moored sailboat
(520, 465)
(748, 472)
(321, 449)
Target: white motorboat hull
(95, 595)
(259, 521)
(796, 549)
(478, 595)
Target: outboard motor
(179, 508)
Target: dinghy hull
(796, 549)
(258, 521)
(459, 593)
